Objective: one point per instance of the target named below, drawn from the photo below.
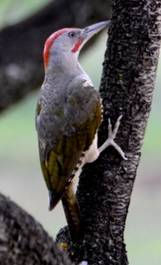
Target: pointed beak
(87, 33)
(90, 31)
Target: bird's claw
(111, 136)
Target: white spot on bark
(84, 262)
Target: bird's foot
(111, 136)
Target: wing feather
(65, 133)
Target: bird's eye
(71, 34)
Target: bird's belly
(90, 156)
(92, 153)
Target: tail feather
(54, 197)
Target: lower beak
(90, 31)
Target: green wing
(60, 162)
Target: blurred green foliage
(12, 11)
(20, 175)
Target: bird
(68, 115)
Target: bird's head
(67, 42)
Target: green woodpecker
(69, 113)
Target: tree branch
(21, 45)
(23, 241)
(127, 86)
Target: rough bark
(127, 86)
(21, 45)
(23, 240)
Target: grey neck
(65, 66)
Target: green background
(20, 175)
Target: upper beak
(90, 31)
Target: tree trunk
(127, 86)
(23, 241)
